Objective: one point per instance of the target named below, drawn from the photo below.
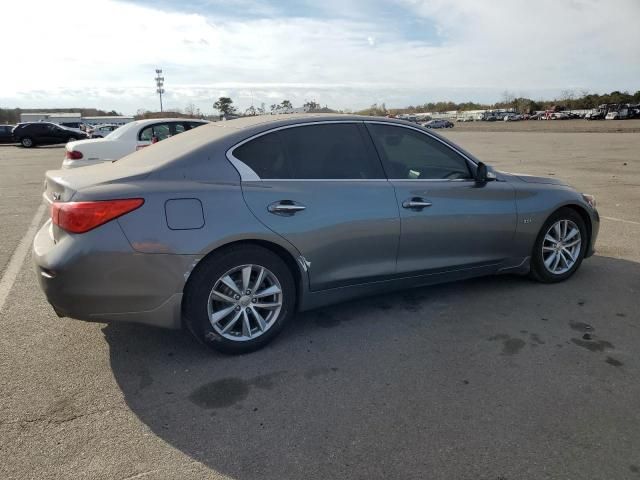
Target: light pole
(160, 85)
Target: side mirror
(481, 173)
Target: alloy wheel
(561, 246)
(245, 302)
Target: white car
(101, 131)
(125, 140)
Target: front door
(449, 221)
(323, 189)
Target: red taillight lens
(74, 155)
(80, 217)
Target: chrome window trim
(247, 174)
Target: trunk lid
(62, 185)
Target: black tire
(71, 139)
(202, 281)
(538, 271)
(27, 142)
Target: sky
(347, 54)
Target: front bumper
(98, 277)
(595, 229)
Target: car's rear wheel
(560, 247)
(27, 142)
(71, 139)
(239, 299)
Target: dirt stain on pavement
(581, 327)
(320, 371)
(536, 338)
(510, 346)
(593, 345)
(145, 378)
(221, 393)
(614, 362)
(326, 320)
(228, 392)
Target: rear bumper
(97, 277)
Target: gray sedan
(231, 228)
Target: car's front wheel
(27, 142)
(560, 247)
(239, 299)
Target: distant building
(54, 117)
(114, 120)
(73, 119)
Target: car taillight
(74, 155)
(80, 217)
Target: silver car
(233, 227)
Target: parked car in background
(511, 117)
(101, 131)
(438, 124)
(595, 114)
(5, 134)
(233, 227)
(621, 113)
(32, 134)
(125, 140)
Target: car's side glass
(146, 134)
(160, 131)
(265, 156)
(311, 152)
(332, 151)
(179, 128)
(409, 154)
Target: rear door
(449, 221)
(321, 186)
(46, 133)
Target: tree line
(567, 100)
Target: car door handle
(285, 207)
(416, 203)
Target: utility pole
(159, 84)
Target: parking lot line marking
(17, 259)
(621, 220)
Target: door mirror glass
(481, 173)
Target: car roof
(225, 134)
(146, 121)
(270, 121)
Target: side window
(265, 156)
(321, 152)
(160, 131)
(329, 151)
(179, 128)
(146, 134)
(409, 154)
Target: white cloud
(104, 53)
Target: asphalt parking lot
(485, 379)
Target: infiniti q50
(231, 228)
